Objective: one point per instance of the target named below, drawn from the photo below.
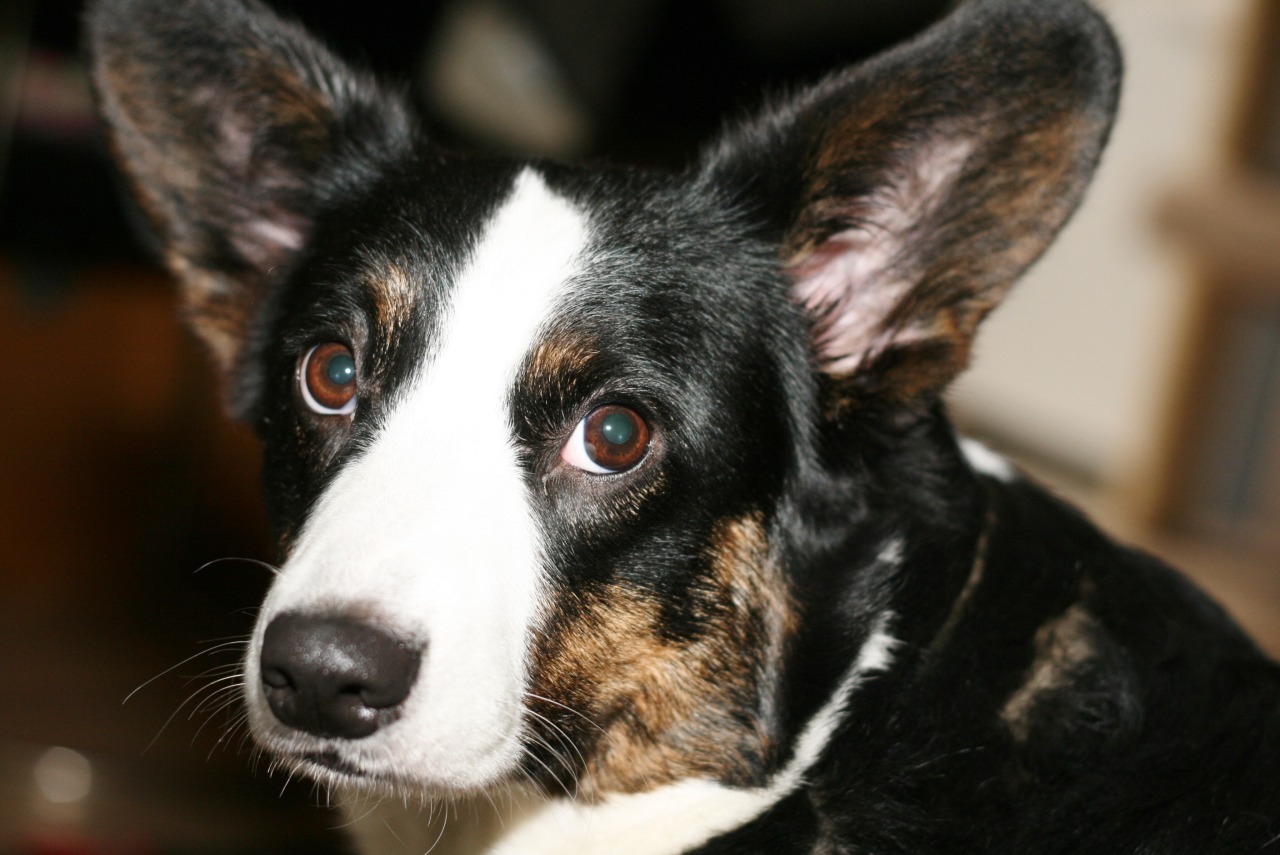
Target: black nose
(333, 675)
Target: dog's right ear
(908, 193)
(228, 120)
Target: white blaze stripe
(431, 531)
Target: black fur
(1051, 691)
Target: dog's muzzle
(334, 675)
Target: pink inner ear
(849, 287)
(852, 282)
(268, 242)
(286, 236)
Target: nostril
(334, 675)
(275, 678)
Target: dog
(619, 511)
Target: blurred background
(1137, 369)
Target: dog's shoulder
(1080, 696)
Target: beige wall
(1076, 364)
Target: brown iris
(329, 379)
(615, 437)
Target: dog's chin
(336, 772)
(331, 764)
(393, 761)
(381, 769)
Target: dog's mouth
(334, 763)
(331, 769)
(373, 764)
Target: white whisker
(223, 646)
(274, 570)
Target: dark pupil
(340, 369)
(617, 429)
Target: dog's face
(566, 463)
(539, 456)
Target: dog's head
(567, 465)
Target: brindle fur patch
(1064, 646)
(670, 708)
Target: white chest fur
(664, 821)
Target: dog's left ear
(910, 192)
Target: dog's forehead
(457, 256)
(508, 287)
(542, 282)
(549, 260)
(454, 320)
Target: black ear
(232, 125)
(909, 193)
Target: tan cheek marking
(294, 102)
(1063, 645)
(674, 709)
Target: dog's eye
(609, 439)
(328, 379)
